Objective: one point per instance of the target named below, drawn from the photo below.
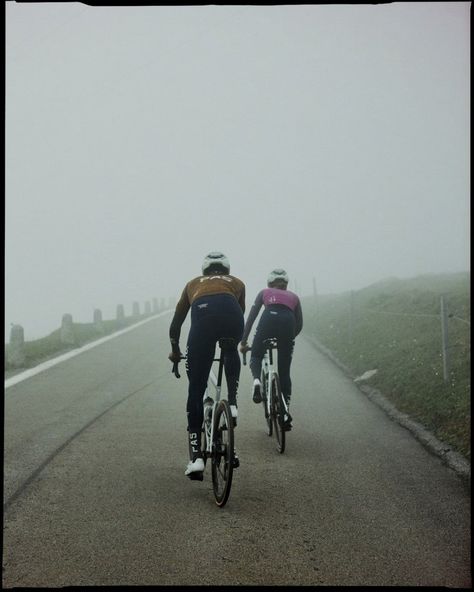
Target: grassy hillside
(394, 326)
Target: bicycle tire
(268, 419)
(277, 411)
(222, 456)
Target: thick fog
(331, 140)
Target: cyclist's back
(278, 296)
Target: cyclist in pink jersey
(282, 318)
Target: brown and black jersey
(205, 285)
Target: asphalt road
(95, 492)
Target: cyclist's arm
(298, 318)
(256, 306)
(178, 319)
(242, 299)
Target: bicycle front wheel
(277, 410)
(222, 466)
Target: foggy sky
(331, 140)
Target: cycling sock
(194, 445)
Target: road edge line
(71, 354)
(455, 460)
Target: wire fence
(443, 317)
(357, 312)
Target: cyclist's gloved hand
(175, 355)
(244, 347)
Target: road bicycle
(273, 401)
(217, 434)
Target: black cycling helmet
(215, 262)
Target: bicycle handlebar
(175, 370)
(270, 343)
(244, 355)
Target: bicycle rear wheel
(277, 410)
(222, 466)
(268, 419)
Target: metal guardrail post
(351, 319)
(67, 330)
(16, 355)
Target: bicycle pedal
(236, 463)
(196, 476)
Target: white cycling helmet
(215, 260)
(279, 275)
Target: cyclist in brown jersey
(217, 303)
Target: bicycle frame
(270, 368)
(208, 423)
(218, 429)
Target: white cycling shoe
(233, 411)
(257, 391)
(195, 469)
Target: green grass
(406, 347)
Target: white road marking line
(45, 365)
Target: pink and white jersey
(276, 296)
(269, 297)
